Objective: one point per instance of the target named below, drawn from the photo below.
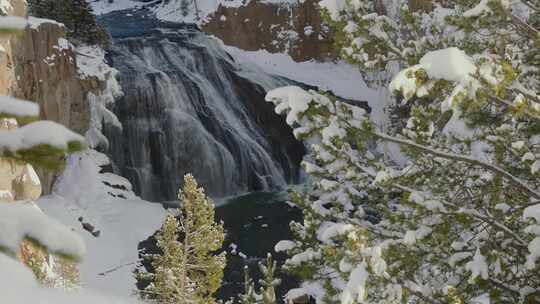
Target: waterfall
(189, 108)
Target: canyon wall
(295, 28)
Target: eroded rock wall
(295, 28)
(44, 69)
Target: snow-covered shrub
(460, 221)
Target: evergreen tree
(186, 270)
(459, 221)
(76, 15)
(269, 282)
(249, 296)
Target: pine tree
(76, 15)
(186, 270)
(269, 282)
(458, 222)
(249, 296)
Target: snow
(35, 22)
(478, 10)
(355, 291)
(329, 230)
(477, 266)
(482, 299)
(123, 219)
(527, 156)
(412, 236)
(303, 257)
(284, 245)
(5, 6)
(342, 79)
(36, 133)
(293, 99)
(21, 287)
(17, 107)
(105, 6)
(170, 11)
(23, 220)
(534, 253)
(451, 64)
(334, 7)
(91, 63)
(13, 23)
(532, 212)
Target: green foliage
(453, 222)
(45, 156)
(267, 292)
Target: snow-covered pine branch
(450, 224)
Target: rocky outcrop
(295, 28)
(45, 71)
(47, 74)
(18, 180)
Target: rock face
(18, 180)
(47, 74)
(45, 71)
(295, 28)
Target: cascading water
(188, 107)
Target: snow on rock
(37, 133)
(105, 201)
(24, 220)
(91, 62)
(172, 10)
(105, 6)
(17, 107)
(343, 79)
(35, 22)
(340, 78)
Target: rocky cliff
(18, 180)
(45, 70)
(293, 27)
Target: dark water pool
(254, 223)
